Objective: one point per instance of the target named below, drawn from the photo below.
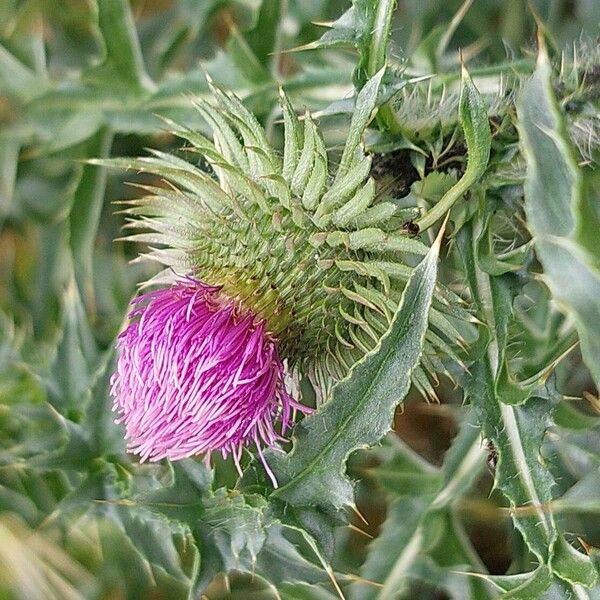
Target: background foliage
(491, 492)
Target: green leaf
(122, 63)
(379, 33)
(517, 433)
(403, 469)
(572, 566)
(361, 408)
(559, 213)
(152, 539)
(9, 156)
(392, 556)
(487, 259)
(263, 39)
(245, 58)
(366, 27)
(537, 585)
(106, 436)
(221, 527)
(76, 356)
(476, 129)
(91, 432)
(304, 591)
(230, 530)
(342, 33)
(84, 216)
(524, 586)
(569, 417)
(416, 525)
(373, 49)
(18, 80)
(583, 497)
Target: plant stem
(381, 31)
(376, 58)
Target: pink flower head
(197, 374)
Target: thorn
(540, 30)
(589, 549)
(438, 240)
(463, 68)
(542, 50)
(335, 583)
(358, 579)
(453, 25)
(593, 400)
(358, 514)
(359, 530)
(323, 23)
(302, 48)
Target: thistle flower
(316, 261)
(197, 374)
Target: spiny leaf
(244, 57)
(516, 433)
(229, 530)
(559, 212)
(572, 566)
(524, 586)
(416, 520)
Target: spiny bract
(320, 257)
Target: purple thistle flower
(197, 374)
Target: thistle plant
(299, 322)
